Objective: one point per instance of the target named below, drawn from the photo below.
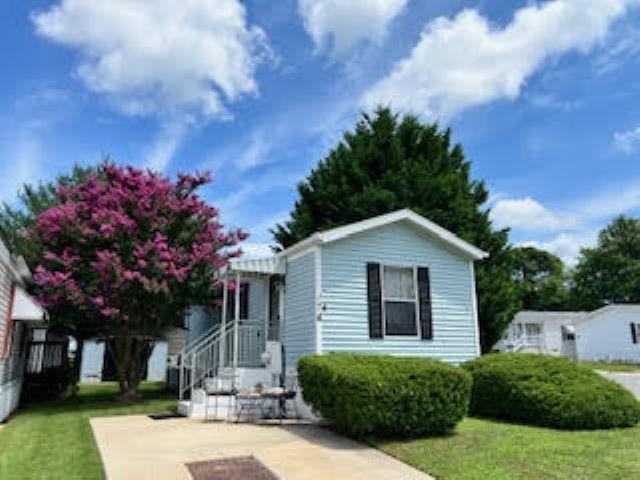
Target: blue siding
(344, 325)
(199, 319)
(257, 300)
(299, 309)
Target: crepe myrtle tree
(131, 250)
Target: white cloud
(341, 25)
(527, 214)
(566, 246)
(164, 147)
(255, 250)
(627, 142)
(573, 226)
(160, 56)
(26, 156)
(465, 61)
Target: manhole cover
(234, 468)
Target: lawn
(613, 367)
(55, 441)
(488, 450)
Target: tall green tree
(540, 279)
(610, 272)
(16, 219)
(389, 163)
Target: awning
(269, 265)
(25, 308)
(568, 329)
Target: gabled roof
(405, 215)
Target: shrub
(385, 396)
(549, 392)
(49, 384)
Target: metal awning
(568, 329)
(269, 265)
(25, 308)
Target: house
(395, 284)
(610, 333)
(20, 316)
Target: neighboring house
(19, 315)
(97, 365)
(395, 284)
(611, 333)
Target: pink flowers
(121, 243)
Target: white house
(19, 314)
(611, 333)
(395, 284)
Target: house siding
(299, 309)
(606, 335)
(344, 324)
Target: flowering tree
(131, 250)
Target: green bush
(385, 396)
(549, 392)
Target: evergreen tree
(389, 163)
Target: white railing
(524, 341)
(216, 350)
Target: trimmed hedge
(384, 396)
(549, 392)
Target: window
(635, 333)
(399, 300)
(533, 329)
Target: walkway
(136, 447)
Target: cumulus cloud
(160, 56)
(465, 61)
(527, 214)
(341, 25)
(565, 230)
(627, 142)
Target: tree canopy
(131, 250)
(610, 272)
(540, 279)
(389, 163)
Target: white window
(400, 302)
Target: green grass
(55, 441)
(489, 450)
(613, 367)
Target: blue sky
(544, 97)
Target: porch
(244, 345)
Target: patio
(141, 448)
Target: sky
(544, 97)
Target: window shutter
(374, 300)
(244, 301)
(424, 297)
(634, 333)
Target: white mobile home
(395, 284)
(611, 333)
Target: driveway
(629, 380)
(136, 447)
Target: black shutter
(424, 297)
(634, 333)
(374, 299)
(244, 301)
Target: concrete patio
(137, 447)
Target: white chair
(223, 385)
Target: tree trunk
(130, 356)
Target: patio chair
(223, 385)
(284, 397)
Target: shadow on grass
(101, 397)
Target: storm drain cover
(233, 468)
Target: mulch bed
(164, 416)
(233, 468)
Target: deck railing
(216, 350)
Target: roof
(409, 216)
(541, 316)
(608, 308)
